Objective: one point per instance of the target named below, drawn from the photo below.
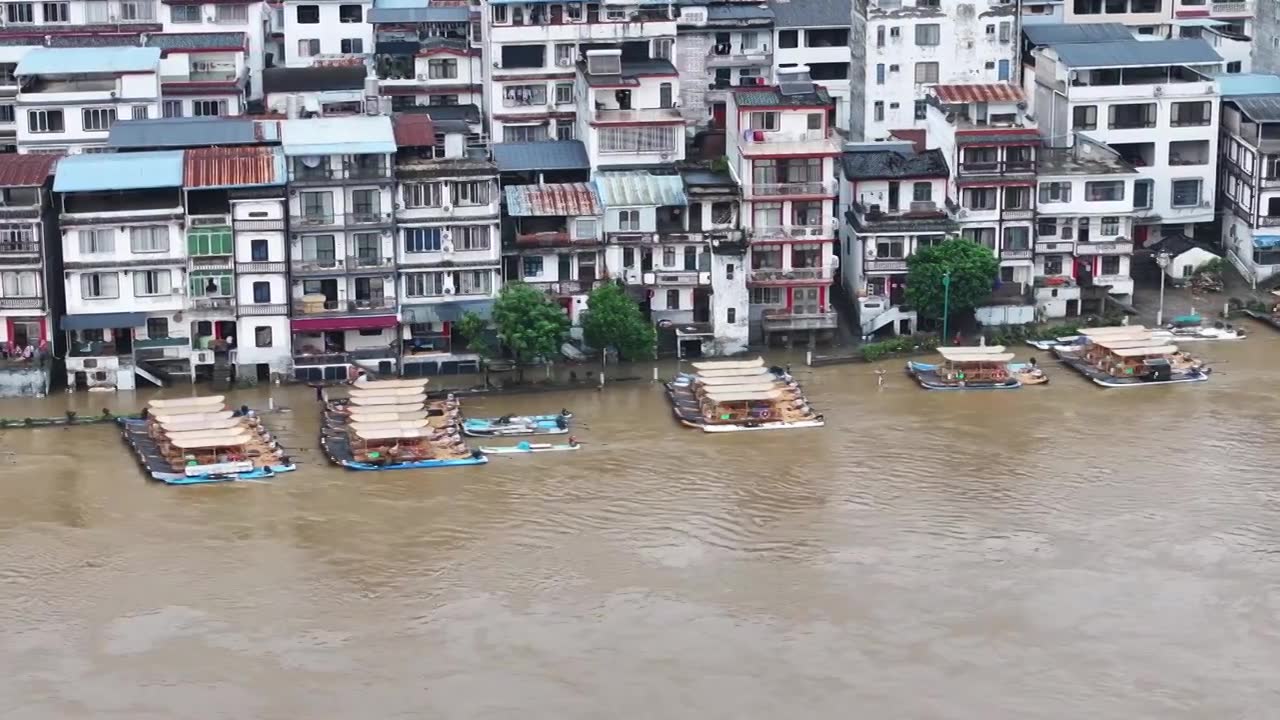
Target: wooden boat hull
(926, 374)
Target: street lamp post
(1162, 259)
(946, 302)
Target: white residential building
(448, 245)
(1153, 102)
(814, 34)
(341, 247)
(205, 74)
(556, 232)
(210, 24)
(125, 263)
(69, 97)
(30, 270)
(782, 149)
(714, 218)
(721, 45)
(1250, 181)
(319, 91)
(318, 32)
(428, 55)
(626, 111)
(9, 57)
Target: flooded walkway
(1047, 553)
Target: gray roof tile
(811, 13)
(1259, 108)
(557, 155)
(890, 164)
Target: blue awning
(446, 312)
(1266, 242)
(101, 321)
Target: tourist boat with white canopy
(1125, 356)
(390, 425)
(979, 367)
(740, 396)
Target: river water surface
(1057, 552)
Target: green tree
(475, 330)
(973, 270)
(613, 320)
(529, 325)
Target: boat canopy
(732, 372)
(209, 439)
(963, 354)
(728, 364)
(1126, 342)
(1145, 351)
(383, 384)
(743, 387)
(391, 434)
(1113, 330)
(408, 398)
(211, 402)
(171, 417)
(734, 379)
(182, 424)
(973, 349)
(729, 397)
(366, 392)
(363, 427)
(377, 415)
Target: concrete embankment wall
(23, 382)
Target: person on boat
(362, 377)
(573, 441)
(561, 423)
(564, 412)
(319, 392)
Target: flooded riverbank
(1032, 554)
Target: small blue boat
(516, 425)
(416, 464)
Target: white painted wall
(329, 31)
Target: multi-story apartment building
(341, 249)
(782, 149)
(204, 74)
(1265, 56)
(125, 263)
(535, 86)
(815, 34)
(626, 111)
(991, 145)
(449, 246)
(896, 195)
(1084, 226)
(553, 234)
(317, 32)
(69, 97)
(1250, 182)
(1153, 102)
(721, 45)
(714, 218)
(910, 47)
(428, 55)
(30, 258)
(9, 57)
(1042, 12)
(318, 91)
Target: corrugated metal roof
(1137, 53)
(1248, 84)
(26, 170)
(96, 172)
(765, 96)
(556, 155)
(811, 13)
(82, 61)
(979, 92)
(890, 164)
(552, 199)
(738, 11)
(441, 14)
(231, 167)
(191, 132)
(638, 188)
(196, 41)
(1259, 108)
(413, 130)
(1077, 33)
(355, 135)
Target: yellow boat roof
(182, 424)
(1146, 351)
(732, 372)
(728, 364)
(974, 349)
(392, 434)
(169, 417)
(211, 438)
(363, 427)
(398, 399)
(742, 387)
(377, 415)
(954, 354)
(732, 378)
(1126, 342)
(212, 402)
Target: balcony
(368, 219)
(365, 263)
(795, 276)
(262, 267)
(1268, 220)
(811, 142)
(726, 55)
(316, 266)
(1053, 244)
(161, 343)
(213, 304)
(820, 188)
(1015, 253)
(885, 265)
(1119, 247)
(645, 115)
(675, 277)
(264, 309)
(786, 320)
(18, 251)
(1010, 167)
(321, 359)
(552, 239)
(315, 221)
(21, 303)
(566, 287)
(377, 306)
(1230, 9)
(354, 172)
(792, 232)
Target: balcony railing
(1268, 220)
(637, 116)
(726, 54)
(263, 309)
(22, 303)
(160, 343)
(885, 265)
(213, 303)
(356, 263)
(762, 142)
(346, 171)
(374, 353)
(368, 218)
(1118, 247)
(314, 221)
(779, 320)
(1015, 253)
(790, 189)
(262, 267)
(378, 306)
(21, 247)
(553, 239)
(775, 276)
(1010, 167)
(676, 277)
(783, 232)
(566, 287)
(329, 266)
(321, 359)
(1229, 8)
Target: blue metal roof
(101, 172)
(191, 132)
(1052, 34)
(1137, 53)
(1266, 242)
(1249, 84)
(638, 188)
(554, 155)
(82, 61)
(325, 136)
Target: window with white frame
(44, 121)
(566, 54)
(133, 10)
(308, 47)
(150, 282)
(471, 237)
(928, 34)
(231, 14)
(584, 229)
(424, 284)
(422, 195)
(172, 108)
(16, 238)
(471, 193)
(926, 72)
(149, 239)
(766, 215)
(1186, 193)
(1103, 191)
(19, 13)
(564, 130)
(99, 286)
(56, 12)
(473, 282)
(421, 240)
(184, 14)
(564, 93)
(636, 139)
(1055, 192)
(19, 284)
(764, 121)
(351, 46)
(628, 220)
(442, 69)
(98, 240)
(525, 133)
(1109, 225)
(766, 296)
(138, 112)
(209, 108)
(531, 266)
(524, 95)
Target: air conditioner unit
(447, 208)
(448, 290)
(564, 62)
(422, 76)
(446, 236)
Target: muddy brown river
(1055, 552)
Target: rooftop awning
(98, 321)
(371, 322)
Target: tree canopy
(613, 320)
(528, 323)
(973, 269)
(475, 330)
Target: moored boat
(1129, 357)
(967, 368)
(518, 425)
(525, 447)
(740, 396)
(390, 425)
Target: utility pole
(946, 303)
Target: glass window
(531, 265)
(922, 192)
(1104, 190)
(308, 14)
(262, 291)
(424, 284)
(262, 336)
(1186, 193)
(1084, 117)
(788, 38)
(928, 35)
(149, 239)
(421, 240)
(258, 250)
(157, 328)
(184, 14)
(96, 286)
(1142, 191)
(150, 282)
(926, 72)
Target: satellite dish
(312, 161)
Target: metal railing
(791, 231)
(362, 262)
(368, 218)
(23, 303)
(345, 307)
(789, 320)
(783, 277)
(817, 187)
(213, 303)
(317, 266)
(264, 309)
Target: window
(928, 35)
(766, 257)
(921, 110)
(6, 72)
(19, 13)
(209, 241)
(922, 192)
(564, 93)
(44, 121)
(1046, 227)
(437, 100)
(673, 299)
(18, 284)
(1190, 113)
(351, 46)
(880, 73)
(149, 239)
(350, 14)
(258, 251)
(471, 193)
(424, 284)
(208, 108)
(766, 296)
(766, 215)
(524, 95)
(470, 237)
(532, 265)
(926, 72)
(668, 257)
(231, 14)
(1186, 193)
(1234, 66)
(806, 255)
(1142, 191)
(731, 314)
(788, 38)
(1017, 238)
(262, 291)
(422, 195)
(566, 53)
(1132, 116)
(1006, 29)
(1103, 190)
(524, 133)
(98, 119)
(421, 240)
(628, 140)
(880, 36)
(662, 48)
(1109, 226)
(1052, 264)
(317, 208)
(366, 204)
(1110, 265)
(319, 248)
(499, 14)
(1055, 192)
(1084, 117)
(878, 111)
(442, 69)
(138, 112)
(583, 229)
(101, 240)
(980, 198)
(262, 336)
(56, 12)
(308, 47)
(1017, 198)
(308, 14)
(171, 108)
(764, 121)
(474, 282)
(157, 328)
(628, 220)
(890, 248)
(98, 286)
(210, 284)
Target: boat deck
(157, 467)
(1106, 380)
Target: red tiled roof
(990, 92)
(26, 170)
(230, 167)
(413, 130)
